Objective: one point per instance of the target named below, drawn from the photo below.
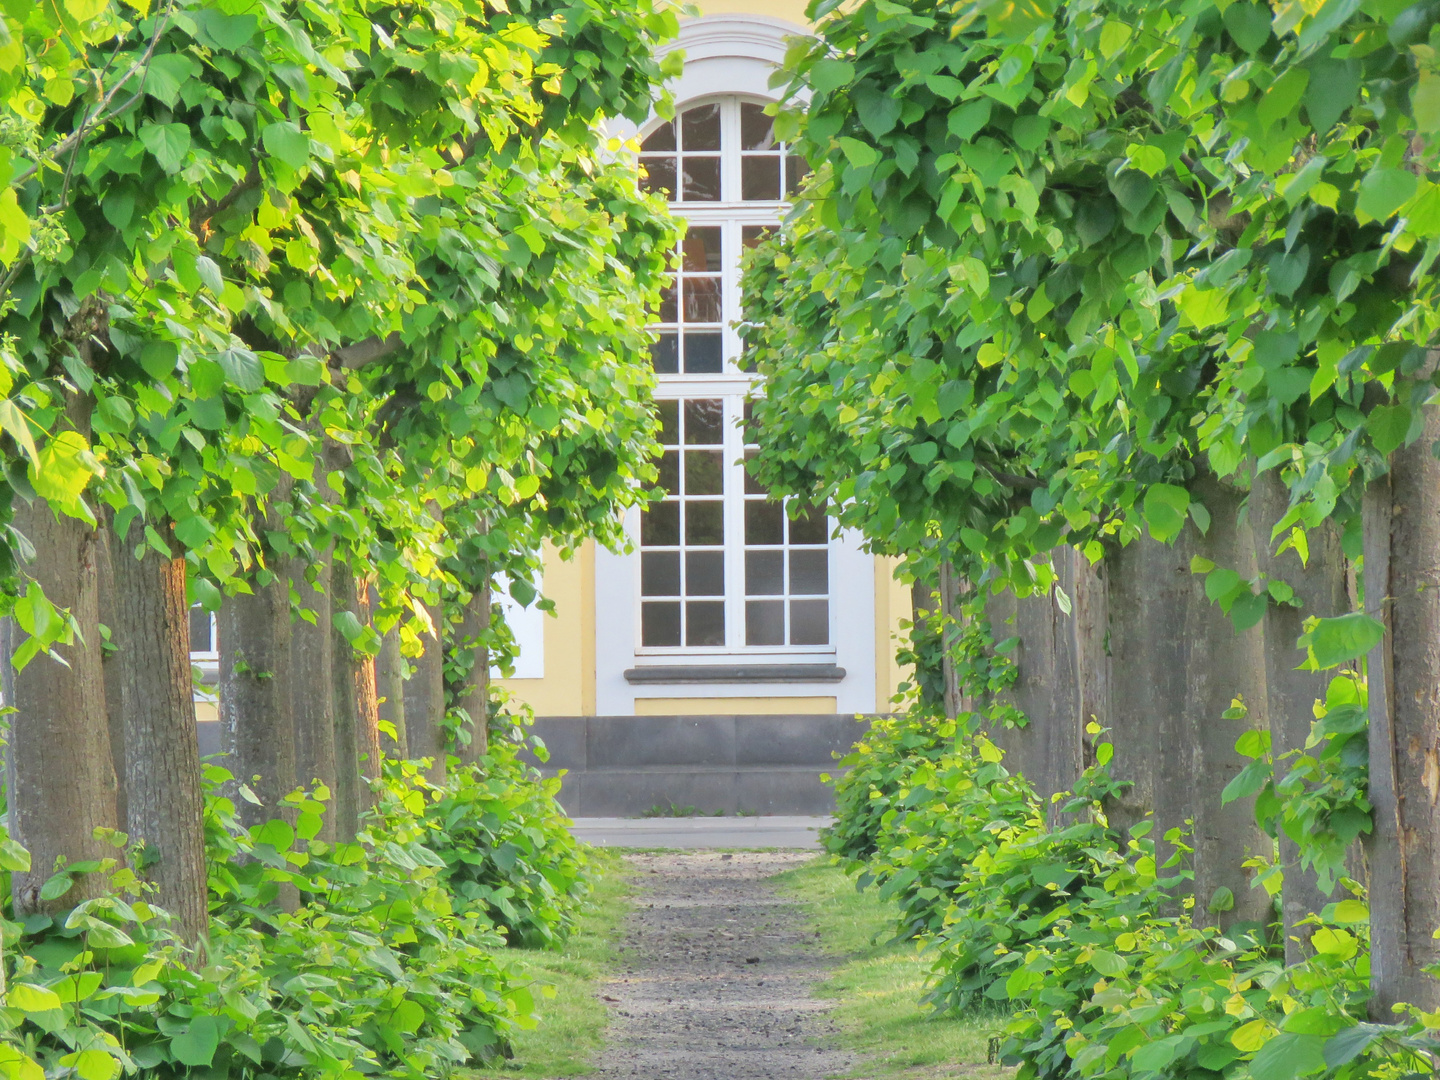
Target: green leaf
(1389, 425)
(1349, 1044)
(1248, 25)
(1287, 1056)
(828, 75)
(1343, 638)
(1247, 782)
(408, 1016)
(1334, 87)
(1108, 963)
(14, 424)
(30, 998)
(1283, 95)
(1425, 102)
(210, 274)
(965, 120)
(158, 358)
(860, 155)
(287, 142)
(169, 143)
(165, 74)
(196, 1046)
(1155, 1056)
(1165, 506)
(1222, 899)
(1203, 308)
(242, 369)
(1384, 190)
(228, 32)
(1350, 912)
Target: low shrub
(380, 957)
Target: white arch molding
(724, 54)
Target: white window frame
(730, 57)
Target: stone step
(616, 792)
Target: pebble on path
(716, 974)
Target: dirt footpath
(716, 975)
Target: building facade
(729, 653)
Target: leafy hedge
(380, 957)
(1092, 945)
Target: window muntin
(722, 568)
(720, 151)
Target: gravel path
(717, 975)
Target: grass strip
(879, 983)
(571, 1031)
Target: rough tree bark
(1092, 648)
(357, 735)
(425, 700)
(115, 713)
(475, 698)
(61, 779)
(1047, 751)
(1402, 589)
(165, 808)
(1148, 589)
(311, 653)
(390, 684)
(1220, 665)
(949, 586)
(1319, 585)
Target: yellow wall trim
(733, 706)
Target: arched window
(721, 566)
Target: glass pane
(763, 575)
(700, 179)
(704, 573)
(752, 486)
(700, 128)
(757, 131)
(669, 478)
(704, 524)
(764, 622)
(659, 573)
(662, 138)
(701, 248)
(702, 299)
(705, 623)
(809, 622)
(796, 169)
(763, 522)
(667, 304)
(704, 472)
(669, 422)
(704, 354)
(703, 417)
(659, 174)
(760, 178)
(809, 572)
(750, 235)
(660, 624)
(200, 631)
(665, 354)
(811, 527)
(660, 525)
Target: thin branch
(214, 208)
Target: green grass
(879, 986)
(571, 1032)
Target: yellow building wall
(789, 10)
(732, 706)
(568, 687)
(892, 609)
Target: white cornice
(757, 36)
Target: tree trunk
(425, 700)
(157, 705)
(257, 727)
(1092, 648)
(475, 698)
(390, 682)
(357, 736)
(1047, 751)
(950, 592)
(311, 654)
(115, 713)
(1221, 665)
(61, 782)
(1402, 588)
(1319, 585)
(1148, 586)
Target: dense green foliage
(1077, 930)
(385, 956)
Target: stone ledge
(672, 674)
